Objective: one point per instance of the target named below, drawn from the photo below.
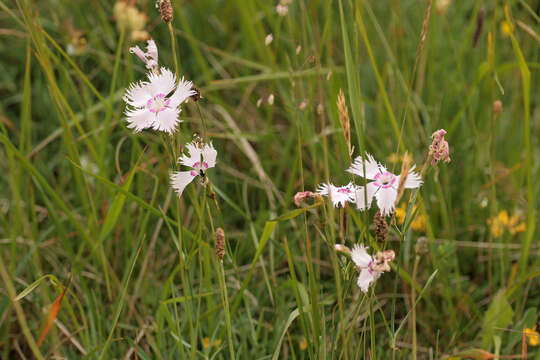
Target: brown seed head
(381, 227)
(344, 118)
(220, 243)
(422, 246)
(166, 10)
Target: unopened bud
(497, 107)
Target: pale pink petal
(166, 120)
(363, 203)
(360, 256)
(209, 155)
(152, 50)
(194, 156)
(365, 279)
(162, 83)
(183, 91)
(139, 119)
(181, 179)
(138, 94)
(137, 51)
(386, 199)
(372, 167)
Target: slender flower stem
(413, 310)
(223, 287)
(173, 45)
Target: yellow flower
(521, 227)
(206, 342)
(506, 28)
(501, 222)
(532, 335)
(419, 222)
(303, 344)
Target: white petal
(413, 179)
(360, 256)
(166, 120)
(338, 195)
(386, 199)
(138, 94)
(372, 167)
(183, 91)
(193, 157)
(163, 83)
(361, 202)
(139, 119)
(365, 279)
(209, 155)
(181, 179)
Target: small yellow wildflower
(206, 342)
(419, 222)
(506, 28)
(303, 344)
(501, 222)
(532, 335)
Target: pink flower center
(384, 180)
(344, 190)
(158, 103)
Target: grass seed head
(220, 243)
(381, 227)
(166, 11)
(344, 118)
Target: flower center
(384, 180)
(344, 191)
(199, 169)
(158, 103)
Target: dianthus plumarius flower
(150, 57)
(155, 103)
(200, 157)
(384, 186)
(370, 267)
(339, 194)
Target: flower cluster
(383, 187)
(503, 222)
(155, 104)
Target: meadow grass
(100, 259)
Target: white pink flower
(150, 57)
(384, 185)
(155, 103)
(370, 267)
(200, 158)
(339, 194)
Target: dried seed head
(220, 243)
(344, 118)
(405, 167)
(166, 10)
(421, 246)
(381, 227)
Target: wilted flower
(151, 104)
(439, 149)
(339, 195)
(370, 267)
(384, 186)
(303, 195)
(201, 157)
(150, 57)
